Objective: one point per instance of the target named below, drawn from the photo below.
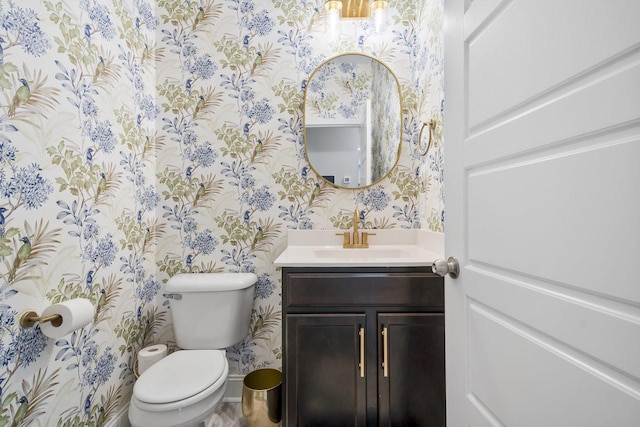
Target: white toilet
(210, 311)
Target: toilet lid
(180, 375)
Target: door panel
(552, 215)
(514, 388)
(532, 46)
(542, 141)
(579, 320)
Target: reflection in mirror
(352, 120)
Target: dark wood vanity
(342, 326)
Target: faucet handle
(346, 239)
(365, 237)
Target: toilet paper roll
(76, 313)
(150, 355)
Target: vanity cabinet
(363, 346)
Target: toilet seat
(180, 379)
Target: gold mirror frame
(304, 120)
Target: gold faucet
(355, 241)
(356, 220)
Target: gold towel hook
(432, 125)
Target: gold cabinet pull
(361, 364)
(385, 351)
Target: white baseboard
(232, 394)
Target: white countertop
(388, 248)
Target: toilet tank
(210, 310)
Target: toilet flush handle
(176, 297)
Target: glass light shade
(379, 15)
(333, 7)
(333, 14)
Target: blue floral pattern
(142, 138)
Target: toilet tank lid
(203, 282)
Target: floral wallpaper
(141, 138)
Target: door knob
(450, 267)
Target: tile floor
(227, 415)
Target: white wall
(334, 151)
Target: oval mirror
(352, 120)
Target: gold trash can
(262, 398)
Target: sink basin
(361, 253)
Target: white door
(542, 148)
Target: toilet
(210, 311)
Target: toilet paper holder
(30, 318)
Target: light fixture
(376, 11)
(355, 9)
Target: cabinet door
(324, 381)
(412, 388)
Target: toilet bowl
(181, 390)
